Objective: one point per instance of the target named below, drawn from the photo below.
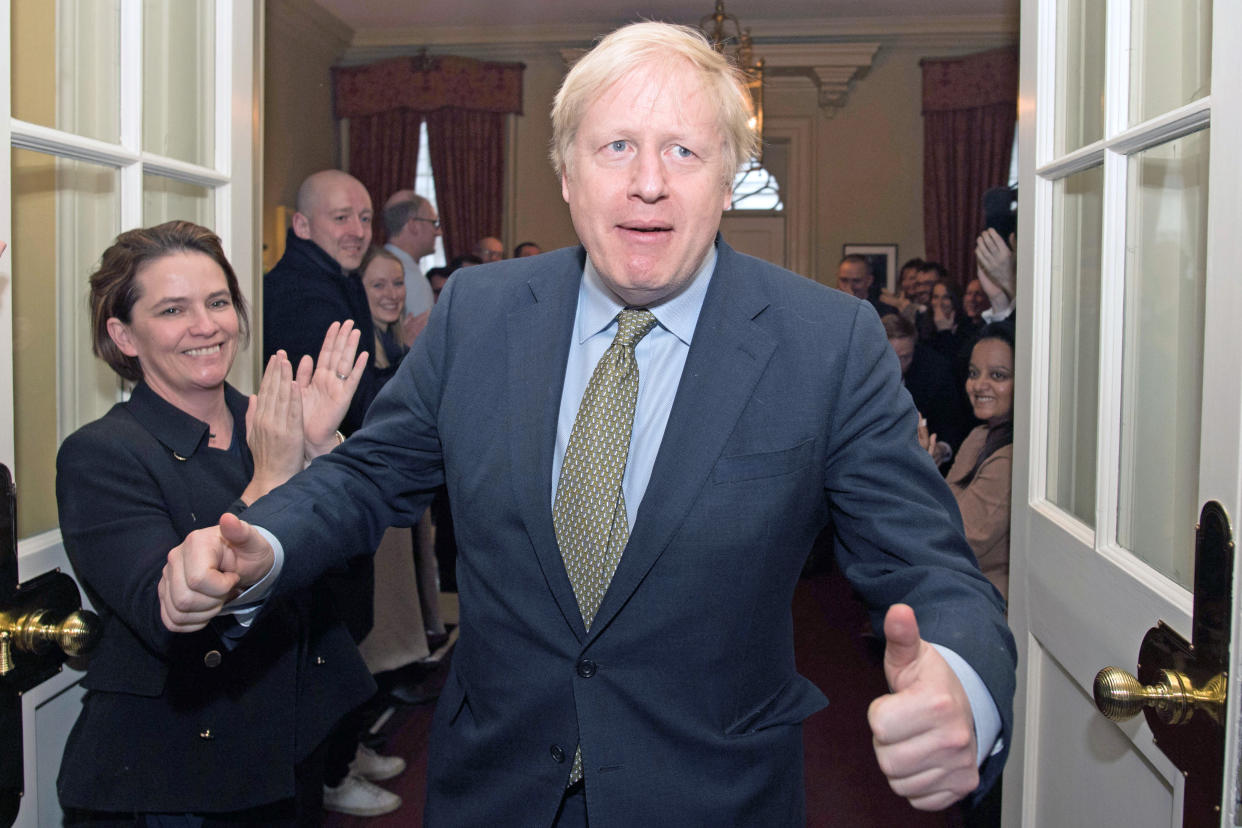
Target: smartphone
(1000, 210)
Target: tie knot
(632, 325)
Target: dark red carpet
(844, 786)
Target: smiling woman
(167, 717)
(980, 477)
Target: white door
(119, 114)
(1129, 408)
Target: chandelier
(737, 47)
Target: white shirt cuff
(991, 315)
(987, 717)
(247, 605)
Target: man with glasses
(412, 226)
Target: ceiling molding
(310, 20)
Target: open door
(1129, 400)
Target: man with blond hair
(641, 438)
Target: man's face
(853, 278)
(904, 348)
(423, 231)
(490, 249)
(907, 282)
(644, 182)
(923, 284)
(339, 221)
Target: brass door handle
(74, 635)
(1120, 696)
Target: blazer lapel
(727, 357)
(536, 374)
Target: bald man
(309, 288)
(489, 249)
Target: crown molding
(308, 19)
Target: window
(121, 116)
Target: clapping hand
(997, 269)
(274, 429)
(328, 385)
(923, 731)
(897, 300)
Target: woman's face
(974, 300)
(989, 381)
(942, 300)
(384, 281)
(183, 329)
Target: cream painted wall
(302, 43)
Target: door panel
(1066, 795)
(1129, 401)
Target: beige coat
(984, 504)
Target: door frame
(1222, 370)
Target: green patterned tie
(589, 513)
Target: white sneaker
(372, 766)
(358, 797)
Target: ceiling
(377, 20)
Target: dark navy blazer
(684, 694)
(179, 723)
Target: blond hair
(645, 44)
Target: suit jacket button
(586, 668)
(206, 735)
(320, 660)
(213, 658)
(558, 754)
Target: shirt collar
(180, 432)
(406, 259)
(597, 307)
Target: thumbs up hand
(923, 731)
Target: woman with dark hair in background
(980, 476)
(220, 726)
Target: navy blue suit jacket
(683, 695)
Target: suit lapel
(536, 374)
(727, 357)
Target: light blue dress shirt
(661, 356)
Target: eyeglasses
(433, 222)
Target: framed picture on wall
(883, 261)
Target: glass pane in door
(65, 213)
(1074, 351)
(165, 199)
(65, 71)
(1171, 55)
(1162, 359)
(178, 79)
(1080, 74)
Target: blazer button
(212, 659)
(320, 660)
(558, 754)
(206, 735)
(586, 668)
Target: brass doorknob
(75, 634)
(1120, 696)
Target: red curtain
(969, 112)
(383, 155)
(464, 102)
(467, 152)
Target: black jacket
(304, 294)
(200, 722)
